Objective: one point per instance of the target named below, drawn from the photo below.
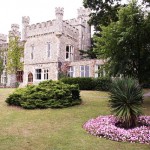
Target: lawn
(58, 129)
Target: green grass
(58, 129)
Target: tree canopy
(103, 12)
(15, 53)
(125, 44)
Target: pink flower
(104, 126)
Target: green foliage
(84, 83)
(125, 43)
(15, 53)
(48, 94)
(126, 99)
(101, 84)
(103, 12)
(88, 54)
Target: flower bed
(104, 126)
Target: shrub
(126, 100)
(48, 94)
(85, 83)
(102, 84)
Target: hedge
(100, 84)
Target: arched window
(30, 77)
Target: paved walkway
(147, 94)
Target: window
(19, 76)
(5, 60)
(4, 78)
(32, 50)
(69, 52)
(48, 50)
(30, 77)
(46, 74)
(71, 71)
(38, 74)
(84, 71)
(99, 71)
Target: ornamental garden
(126, 123)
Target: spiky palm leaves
(126, 100)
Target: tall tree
(15, 53)
(125, 44)
(103, 12)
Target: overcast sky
(11, 11)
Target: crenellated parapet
(70, 30)
(59, 12)
(25, 20)
(40, 29)
(83, 12)
(3, 38)
(14, 27)
(14, 32)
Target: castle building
(50, 46)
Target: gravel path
(147, 94)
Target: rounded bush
(48, 94)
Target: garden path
(147, 94)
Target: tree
(90, 53)
(15, 53)
(103, 12)
(125, 44)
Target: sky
(11, 11)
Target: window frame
(71, 70)
(48, 50)
(20, 76)
(69, 53)
(32, 52)
(38, 74)
(84, 71)
(46, 74)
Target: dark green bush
(48, 94)
(83, 82)
(100, 84)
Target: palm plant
(126, 101)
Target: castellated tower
(59, 12)
(25, 23)
(14, 32)
(84, 28)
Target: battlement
(82, 12)
(14, 27)
(59, 11)
(70, 30)
(3, 37)
(25, 19)
(40, 25)
(40, 28)
(73, 21)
